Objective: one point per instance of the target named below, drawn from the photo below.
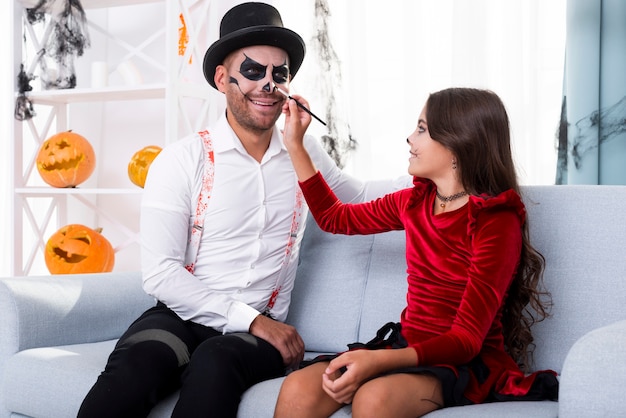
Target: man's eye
(280, 77)
(252, 73)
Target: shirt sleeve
(166, 214)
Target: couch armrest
(68, 309)
(594, 374)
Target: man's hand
(282, 336)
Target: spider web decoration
(598, 127)
(339, 140)
(609, 122)
(65, 38)
(68, 39)
(23, 106)
(561, 145)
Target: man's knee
(225, 352)
(154, 342)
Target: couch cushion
(52, 381)
(328, 293)
(581, 231)
(540, 409)
(385, 295)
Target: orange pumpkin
(140, 164)
(76, 249)
(66, 160)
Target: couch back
(349, 286)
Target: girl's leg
(398, 395)
(301, 394)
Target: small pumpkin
(76, 248)
(140, 164)
(66, 160)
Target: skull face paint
(256, 71)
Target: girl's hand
(345, 374)
(297, 121)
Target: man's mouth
(265, 102)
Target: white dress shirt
(246, 227)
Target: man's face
(249, 80)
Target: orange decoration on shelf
(66, 160)
(140, 164)
(76, 249)
(183, 37)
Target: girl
(465, 333)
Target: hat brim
(282, 38)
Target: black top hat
(253, 24)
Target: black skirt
(453, 382)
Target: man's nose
(269, 87)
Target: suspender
(198, 224)
(203, 201)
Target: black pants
(160, 353)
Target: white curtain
(393, 53)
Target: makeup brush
(301, 106)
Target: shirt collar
(225, 139)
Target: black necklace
(446, 199)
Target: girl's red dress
(459, 265)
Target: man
(221, 224)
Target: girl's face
(429, 159)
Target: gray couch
(56, 332)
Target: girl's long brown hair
(473, 124)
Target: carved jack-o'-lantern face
(66, 160)
(76, 248)
(140, 164)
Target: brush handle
(300, 105)
(303, 107)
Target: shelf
(176, 100)
(140, 92)
(45, 191)
(95, 4)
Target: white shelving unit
(165, 99)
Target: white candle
(99, 74)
